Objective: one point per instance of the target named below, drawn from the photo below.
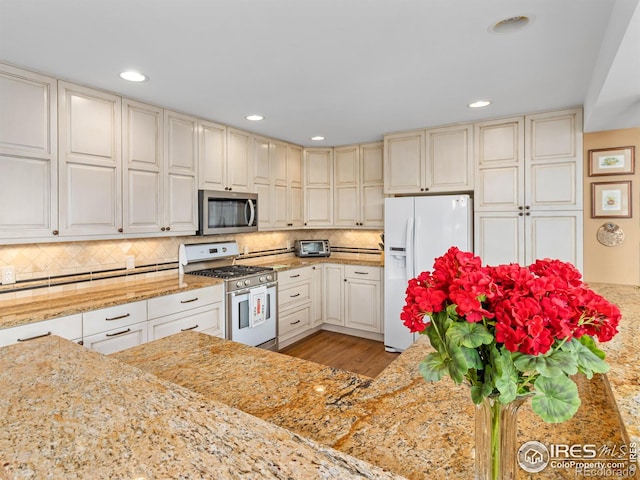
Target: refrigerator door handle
(410, 259)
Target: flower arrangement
(510, 330)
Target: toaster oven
(312, 248)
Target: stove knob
(269, 278)
(247, 282)
(262, 279)
(238, 284)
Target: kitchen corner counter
(38, 307)
(67, 412)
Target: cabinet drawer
(203, 318)
(117, 339)
(113, 318)
(69, 327)
(297, 294)
(180, 302)
(362, 273)
(294, 276)
(295, 321)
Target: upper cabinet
(89, 141)
(438, 160)
(358, 186)
(239, 161)
(143, 167)
(318, 187)
(212, 156)
(28, 154)
(262, 153)
(180, 192)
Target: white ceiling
(350, 70)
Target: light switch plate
(130, 262)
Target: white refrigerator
(417, 230)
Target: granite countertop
(38, 307)
(67, 412)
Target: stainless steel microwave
(227, 212)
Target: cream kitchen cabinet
(438, 160)
(317, 284)
(69, 327)
(180, 185)
(295, 295)
(362, 298)
(116, 328)
(287, 186)
(528, 198)
(239, 163)
(143, 165)
(358, 186)
(333, 294)
(90, 175)
(318, 187)
(212, 156)
(262, 184)
(28, 155)
(201, 310)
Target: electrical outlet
(8, 275)
(288, 244)
(246, 249)
(130, 261)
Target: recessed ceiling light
(479, 104)
(133, 76)
(254, 118)
(510, 24)
(317, 138)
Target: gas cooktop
(231, 271)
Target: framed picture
(611, 199)
(612, 161)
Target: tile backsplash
(45, 260)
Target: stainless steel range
(251, 291)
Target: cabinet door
(262, 160)
(347, 186)
(362, 305)
(318, 187)
(553, 160)
(295, 210)
(90, 161)
(212, 155)
(556, 235)
(333, 294)
(317, 278)
(199, 319)
(28, 154)
(265, 206)
(450, 159)
(499, 237)
(142, 157)
(372, 185)
(404, 157)
(181, 147)
(69, 327)
(239, 164)
(499, 153)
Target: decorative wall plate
(610, 234)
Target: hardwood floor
(354, 354)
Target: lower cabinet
(116, 328)
(333, 294)
(118, 339)
(69, 327)
(362, 298)
(201, 310)
(295, 291)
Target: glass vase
(496, 432)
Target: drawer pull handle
(33, 338)
(190, 328)
(119, 317)
(294, 276)
(294, 296)
(118, 333)
(361, 273)
(294, 323)
(189, 301)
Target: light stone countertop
(69, 413)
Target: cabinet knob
(520, 214)
(527, 207)
(527, 214)
(168, 228)
(120, 230)
(55, 232)
(520, 207)
(162, 229)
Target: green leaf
(506, 375)
(524, 362)
(437, 330)
(470, 335)
(590, 343)
(551, 364)
(457, 363)
(556, 398)
(433, 367)
(472, 358)
(587, 361)
(477, 394)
